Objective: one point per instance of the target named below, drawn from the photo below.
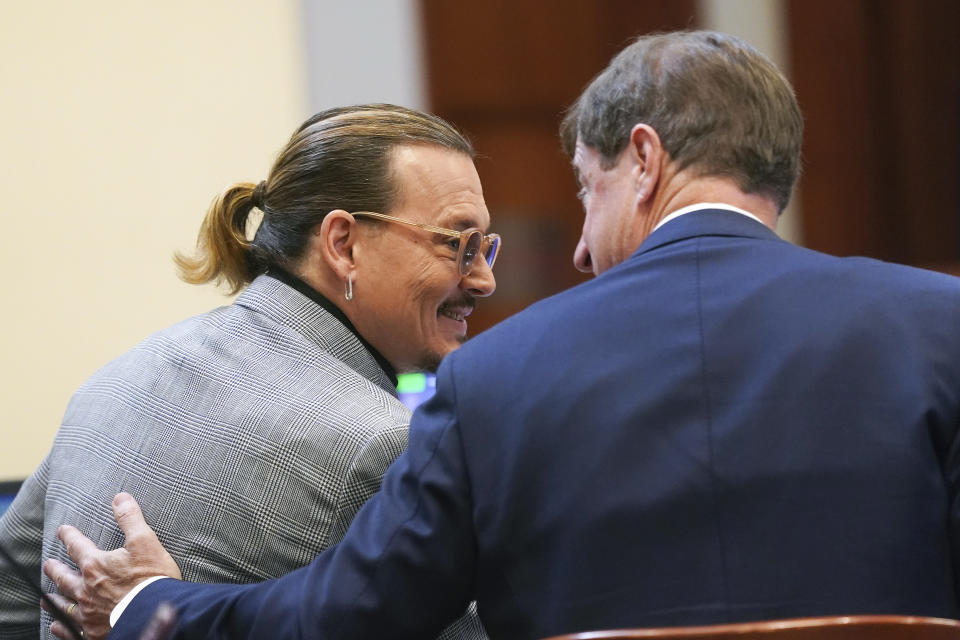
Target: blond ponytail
(223, 251)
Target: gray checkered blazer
(250, 435)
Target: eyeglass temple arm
(420, 225)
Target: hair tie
(258, 193)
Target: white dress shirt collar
(701, 206)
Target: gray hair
(719, 106)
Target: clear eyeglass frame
(472, 241)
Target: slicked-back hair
(719, 106)
(337, 159)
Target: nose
(480, 281)
(581, 257)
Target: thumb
(128, 515)
(142, 546)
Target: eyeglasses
(472, 242)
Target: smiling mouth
(457, 310)
(457, 313)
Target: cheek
(421, 294)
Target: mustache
(464, 300)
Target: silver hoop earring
(349, 294)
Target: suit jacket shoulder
(250, 435)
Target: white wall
(366, 51)
(119, 123)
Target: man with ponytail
(252, 434)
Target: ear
(648, 156)
(332, 242)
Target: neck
(680, 190)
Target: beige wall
(119, 122)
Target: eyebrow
(461, 222)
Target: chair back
(827, 628)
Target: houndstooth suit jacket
(250, 435)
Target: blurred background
(121, 120)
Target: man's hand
(106, 576)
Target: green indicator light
(411, 383)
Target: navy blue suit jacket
(724, 427)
